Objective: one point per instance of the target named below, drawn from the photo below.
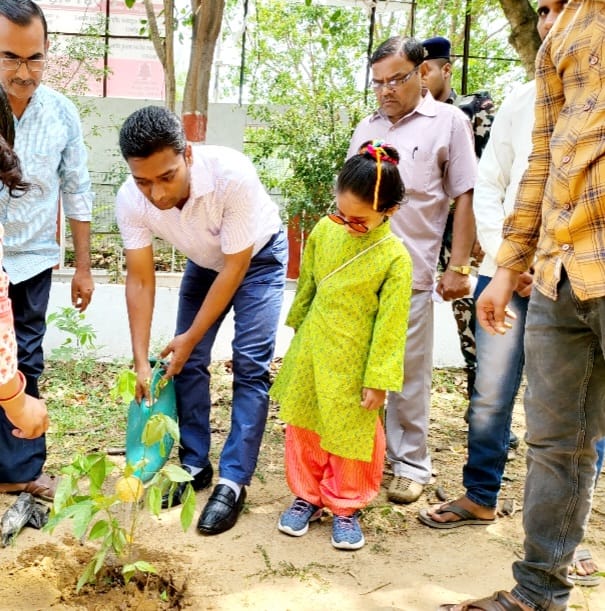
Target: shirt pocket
(416, 166)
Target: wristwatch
(465, 270)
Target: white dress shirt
(501, 167)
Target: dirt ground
(403, 566)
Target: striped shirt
(49, 143)
(228, 210)
(560, 208)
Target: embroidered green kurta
(350, 334)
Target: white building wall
(107, 315)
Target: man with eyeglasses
(437, 165)
(48, 141)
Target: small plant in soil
(108, 509)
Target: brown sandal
(44, 487)
(496, 602)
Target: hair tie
(376, 150)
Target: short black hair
(149, 130)
(409, 47)
(23, 12)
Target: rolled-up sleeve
(76, 190)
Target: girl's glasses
(354, 225)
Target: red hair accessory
(376, 150)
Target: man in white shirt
(211, 205)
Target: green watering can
(138, 416)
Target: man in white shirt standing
(210, 204)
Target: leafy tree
(523, 37)
(204, 21)
(303, 73)
(75, 62)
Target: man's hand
(180, 348)
(143, 383)
(477, 253)
(453, 285)
(491, 307)
(82, 287)
(524, 284)
(372, 398)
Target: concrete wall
(226, 124)
(107, 315)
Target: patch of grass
(384, 519)
(83, 416)
(305, 573)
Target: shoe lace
(347, 522)
(402, 483)
(300, 506)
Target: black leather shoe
(221, 511)
(200, 481)
(513, 442)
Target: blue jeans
(564, 344)
(499, 370)
(22, 460)
(256, 307)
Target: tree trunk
(524, 36)
(164, 47)
(207, 18)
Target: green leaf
(83, 513)
(64, 492)
(125, 386)
(99, 529)
(157, 427)
(187, 507)
(145, 567)
(128, 572)
(176, 474)
(154, 500)
(99, 469)
(88, 576)
(99, 558)
(129, 3)
(118, 539)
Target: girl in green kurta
(350, 319)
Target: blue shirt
(49, 143)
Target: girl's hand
(372, 398)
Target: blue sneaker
(295, 520)
(346, 532)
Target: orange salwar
(342, 485)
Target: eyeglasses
(394, 82)
(14, 63)
(354, 225)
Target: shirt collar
(201, 173)
(427, 106)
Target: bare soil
(404, 564)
